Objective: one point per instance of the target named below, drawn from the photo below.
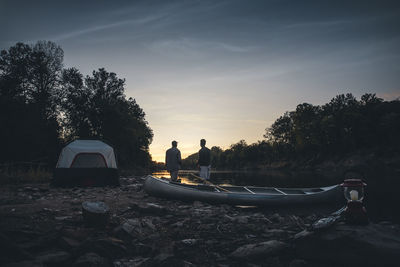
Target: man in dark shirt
(173, 161)
(204, 160)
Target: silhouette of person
(173, 161)
(204, 160)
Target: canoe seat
(261, 190)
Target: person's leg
(208, 172)
(203, 172)
(174, 176)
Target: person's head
(174, 143)
(203, 142)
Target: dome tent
(86, 162)
(86, 154)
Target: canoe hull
(163, 188)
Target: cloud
(93, 29)
(195, 47)
(319, 24)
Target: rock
(150, 208)
(91, 260)
(325, 223)
(178, 224)
(146, 222)
(206, 227)
(186, 263)
(259, 250)
(185, 245)
(132, 226)
(136, 228)
(25, 264)
(298, 263)
(277, 218)
(228, 218)
(162, 257)
(276, 233)
(189, 242)
(302, 234)
(197, 204)
(203, 212)
(11, 252)
(373, 244)
(95, 214)
(135, 187)
(241, 219)
(62, 218)
(165, 259)
(78, 234)
(28, 189)
(141, 249)
(54, 257)
(68, 243)
(109, 247)
(135, 262)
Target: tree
(311, 133)
(97, 108)
(74, 101)
(46, 63)
(344, 114)
(29, 76)
(43, 105)
(281, 131)
(306, 127)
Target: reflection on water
(265, 178)
(183, 175)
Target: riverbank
(44, 226)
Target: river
(271, 178)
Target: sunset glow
(220, 70)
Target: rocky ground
(43, 226)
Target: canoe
(242, 195)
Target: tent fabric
(85, 154)
(93, 160)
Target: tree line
(313, 133)
(43, 106)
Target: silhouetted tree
(43, 105)
(75, 106)
(311, 133)
(281, 131)
(97, 108)
(29, 76)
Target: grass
(31, 175)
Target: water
(262, 178)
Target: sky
(220, 70)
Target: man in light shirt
(204, 160)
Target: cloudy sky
(220, 70)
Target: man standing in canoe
(204, 160)
(173, 161)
